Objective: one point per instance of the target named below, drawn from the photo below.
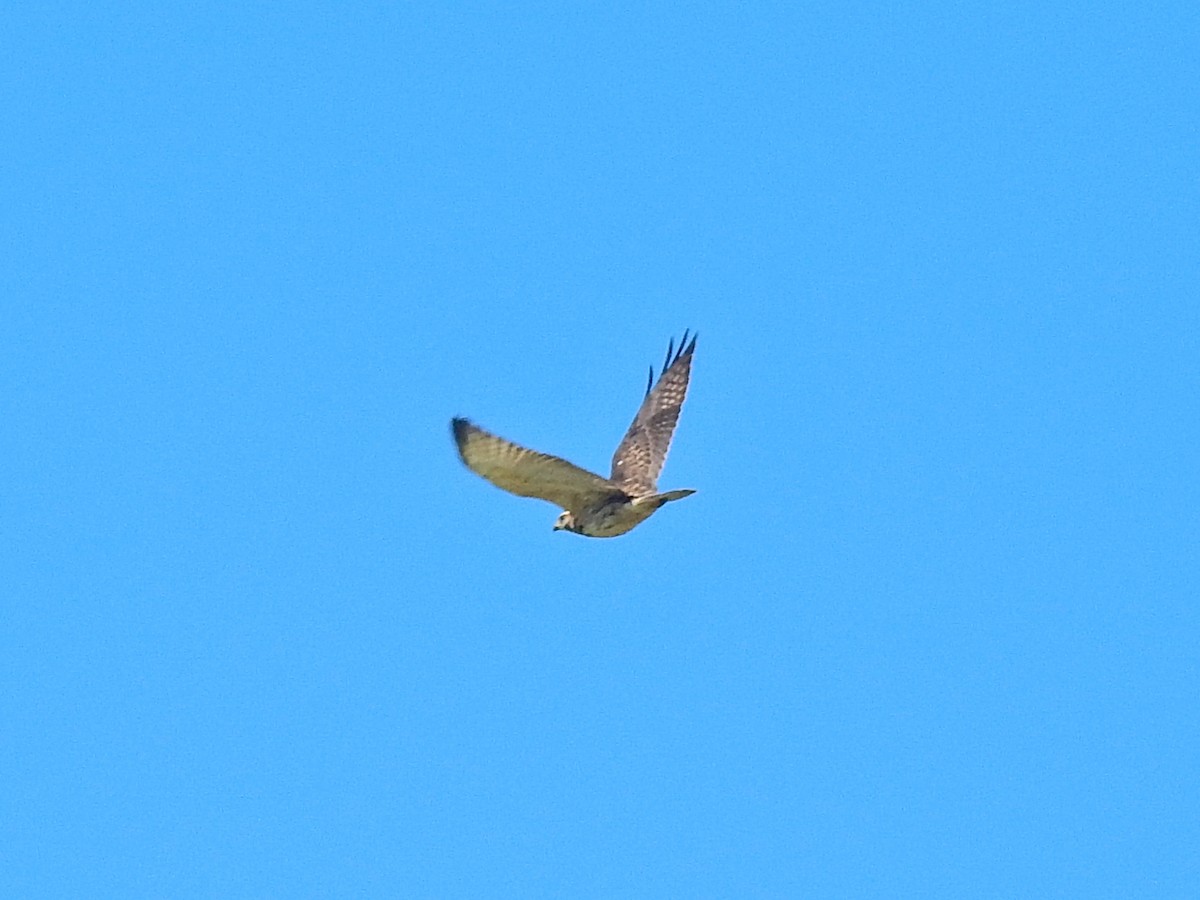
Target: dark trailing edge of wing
(685, 349)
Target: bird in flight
(592, 505)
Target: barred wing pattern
(639, 459)
(528, 473)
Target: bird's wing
(528, 473)
(639, 459)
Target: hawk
(592, 505)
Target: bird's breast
(613, 519)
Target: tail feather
(671, 495)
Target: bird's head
(566, 522)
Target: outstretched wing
(528, 473)
(639, 459)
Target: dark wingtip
(460, 428)
(685, 348)
(673, 356)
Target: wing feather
(639, 459)
(528, 473)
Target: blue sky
(929, 626)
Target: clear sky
(929, 625)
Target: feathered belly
(615, 519)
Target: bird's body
(592, 505)
(617, 516)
